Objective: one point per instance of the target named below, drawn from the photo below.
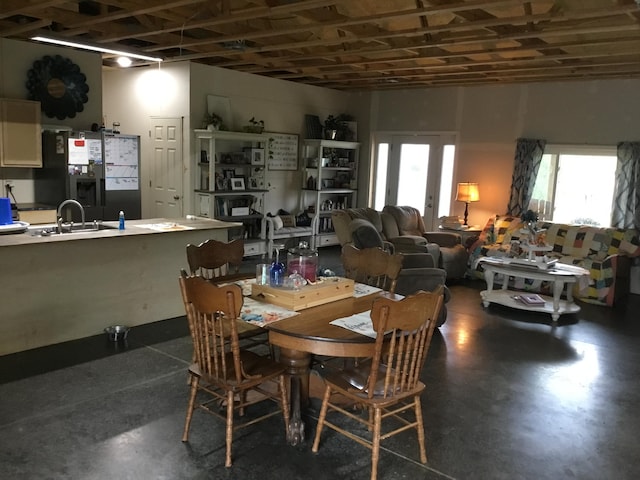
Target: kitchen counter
(64, 287)
(147, 226)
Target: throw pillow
(277, 222)
(288, 220)
(365, 234)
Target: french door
(414, 170)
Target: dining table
(310, 332)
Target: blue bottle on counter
(121, 220)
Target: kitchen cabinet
(20, 134)
(330, 181)
(229, 180)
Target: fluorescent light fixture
(95, 48)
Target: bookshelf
(229, 180)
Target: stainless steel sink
(67, 229)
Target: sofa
(605, 252)
(445, 248)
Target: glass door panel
(411, 170)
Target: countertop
(146, 226)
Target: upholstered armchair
(419, 271)
(409, 222)
(385, 227)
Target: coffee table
(560, 275)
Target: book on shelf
(530, 299)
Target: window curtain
(525, 169)
(626, 203)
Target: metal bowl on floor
(117, 333)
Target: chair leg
(375, 447)
(323, 414)
(193, 380)
(229, 432)
(284, 398)
(420, 427)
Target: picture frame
(257, 156)
(253, 183)
(237, 183)
(229, 173)
(328, 183)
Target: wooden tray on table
(325, 291)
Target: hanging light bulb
(124, 61)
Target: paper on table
(362, 289)
(359, 323)
(261, 314)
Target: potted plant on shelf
(331, 126)
(213, 121)
(336, 128)
(254, 126)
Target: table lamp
(467, 192)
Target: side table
(469, 235)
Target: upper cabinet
(20, 135)
(330, 181)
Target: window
(575, 185)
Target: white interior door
(166, 170)
(407, 172)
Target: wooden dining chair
(388, 384)
(220, 262)
(372, 266)
(216, 260)
(223, 371)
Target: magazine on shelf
(531, 299)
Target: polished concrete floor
(509, 397)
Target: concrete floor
(508, 397)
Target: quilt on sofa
(605, 252)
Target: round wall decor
(59, 85)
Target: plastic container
(303, 260)
(5, 211)
(121, 220)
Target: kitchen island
(68, 286)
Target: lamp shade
(468, 192)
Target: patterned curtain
(525, 169)
(626, 205)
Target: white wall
(16, 59)
(281, 104)
(489, 119)
(133, 96)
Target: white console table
(560, 275)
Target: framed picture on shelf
(328, 183)
(229, 173)
(237, 183)
(253, 183)
(257, 156)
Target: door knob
(176, 197)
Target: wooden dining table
(311, 333)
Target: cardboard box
(307, 296)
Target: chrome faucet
(62, 205)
